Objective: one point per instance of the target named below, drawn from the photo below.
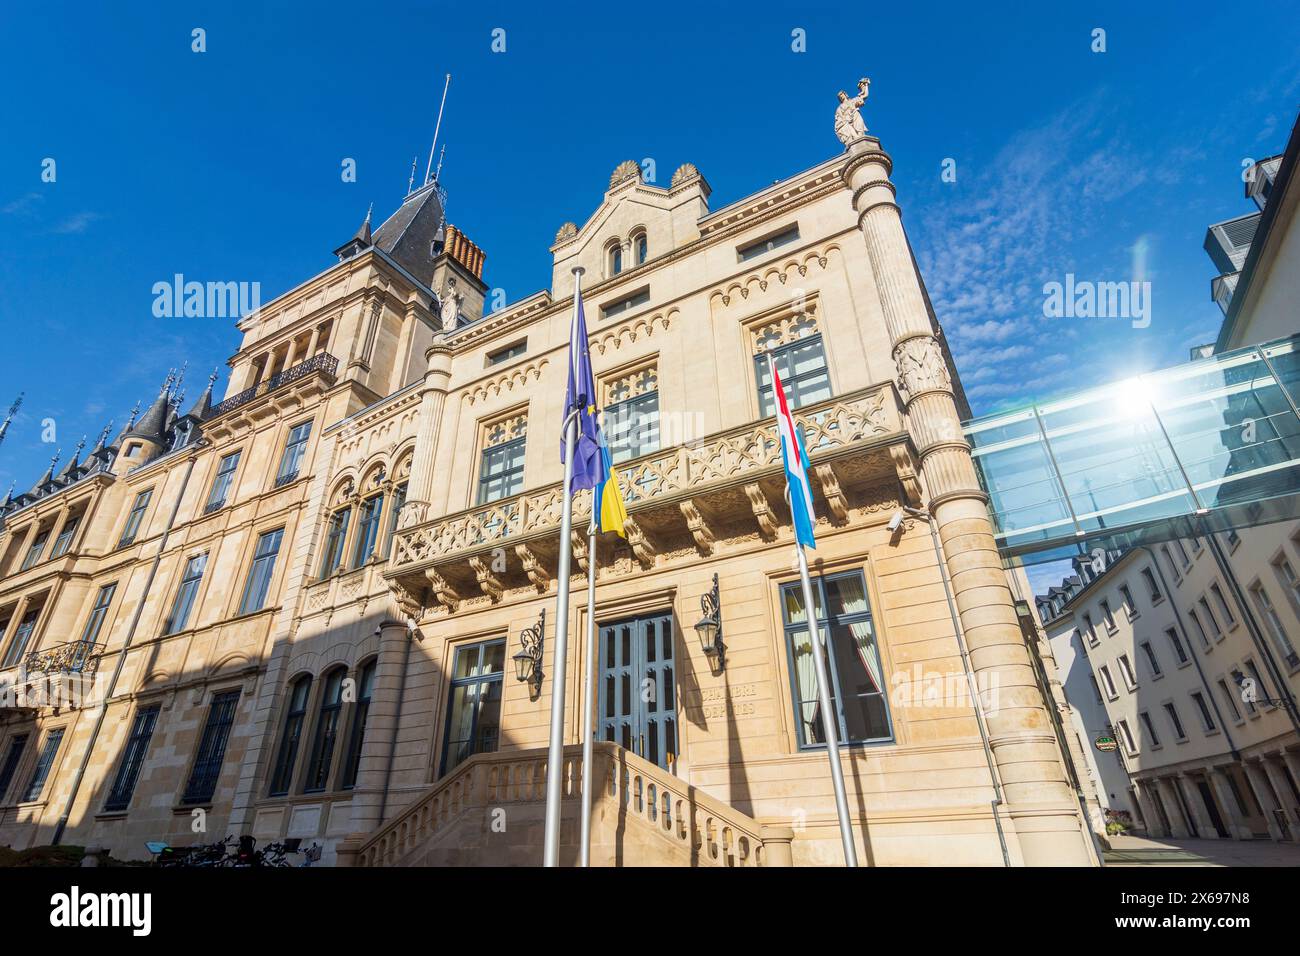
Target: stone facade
(398, 554)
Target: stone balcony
(688, 499)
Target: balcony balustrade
(688, 496)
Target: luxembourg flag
(796, 464)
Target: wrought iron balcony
(69, 657)
(727, 485)
(324, 363)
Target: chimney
(460, 247)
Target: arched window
(615, 260)
(299, 690)
(357, 734)
(642, 248)
(334, 538)
(327, 730)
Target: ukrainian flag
(608, 509)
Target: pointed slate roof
(152, 425)
(69, 473)
(46, 478)
(361, 239)
(409, 233)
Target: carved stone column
(419, 487)
(1024, 745)
(381, 728)
(1235, 822)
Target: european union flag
(588, 464)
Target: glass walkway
(1207, 446)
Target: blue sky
(225, 165)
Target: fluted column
(419, 487)
(381, 728)
(1024, 745)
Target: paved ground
(1140, 851)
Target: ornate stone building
(314, 615)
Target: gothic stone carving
(921, 367)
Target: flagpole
(588, 691)
(830, 721)
(559, 660)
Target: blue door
(638, 696)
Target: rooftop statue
(848, 121)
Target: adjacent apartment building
(312, 609)
(1186, 651)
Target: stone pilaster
(1178, 822)
(419, 488)
(1235, 822)
(1024, 745)
(381, 725)
(1263, 796)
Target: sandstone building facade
(301, 604)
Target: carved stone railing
(857, 419)
(69, 657)
(322, 362)
(639, 811)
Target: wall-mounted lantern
(528, 661)
(709, 627)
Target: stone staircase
(490, 811)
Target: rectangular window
(1153, 589)
(474, 711)
(1202, 708)
(1261, 688)
(1228, 619)
(1107, 682)
(294, 452)
(1108, 617)
(1126, 736)
(334, 538)
(202, 783)
(857, 685)
(13, 755)
(136, 515)
(1230, 699)
(1095, 688)
(501, 473)
(259, 575)
(35, 550)
(368, 529)
(1169, 559)
(128, 772)
(221, 484)
(1126, 671)
(761, 247)
(327, 731)
(1234, 539)
(1152, 661)
(1200, 628)
(1177, 644)
(506, 354)
(1208, 617)
(1182, 554)
(95, 623)
(291, 736)
(626, 304)
(44, 764)
(1149, 726)
(1286, 574)
(1130, 606)
(631, 427)
(1273, 624)
(1089, 630)
(357, 733)
(1172, 711)
(22, 637)
(191, 578)
(802, 367)
(399, 501)
(64, 540)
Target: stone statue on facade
(848, 121)
(449, 305)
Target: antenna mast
(429, 168)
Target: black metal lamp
(709, 627)
(1250, 689)
(528, 660)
